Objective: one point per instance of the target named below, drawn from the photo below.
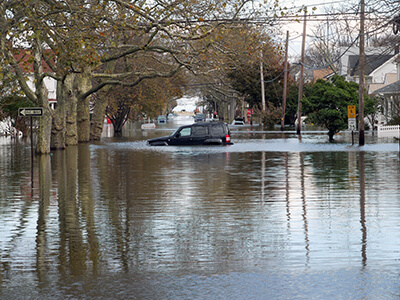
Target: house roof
(322, 73)
(24, 58)
(390, 78)
(375, 86)
(393, 88)
(372, 62)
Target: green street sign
(30, 112)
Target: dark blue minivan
(200, 133)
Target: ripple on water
(274, 145)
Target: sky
(295, 35)
(296, 29)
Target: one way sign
(30, 112)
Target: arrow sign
(30, 112)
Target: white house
(376, 67)
(390, 94)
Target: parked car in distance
(162, 120)
(212, 119)
(238, 121)
(200, 133)
(199, 117)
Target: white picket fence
(389, 131)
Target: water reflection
(362, 209)
(120, 217)
(43, 209)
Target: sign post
(31, 112)
(351, 114)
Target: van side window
(199, 130)
(217, 130)
(186, 131)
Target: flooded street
(270, 217)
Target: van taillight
(228, 138)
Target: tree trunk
(69, 95)
(97, 122)
(83, 114)
(120, 119)
(331, 135)
(44, 131)
(58, 126)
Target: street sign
(351, 111)
(30, 112)
(352, 124)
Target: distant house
(311, 75)
(388, 79)
(390, 94)
(324, 74)
(375, 57)
(307, 75)
(24, 59)
(372, 64)
(380, 72)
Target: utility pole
(361, 125)
(285, 76)
(262, 82)
(301, 84)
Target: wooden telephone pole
(285, 77)
(301, 84)
(361, 125)
(262, 82)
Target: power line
(291, 18)
(319, 4)
(328, 65)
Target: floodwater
(273, 216)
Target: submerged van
(200, 133)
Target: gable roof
(372, 62)
(393, 88)
(374, 87)
(322, 73)
(24, 58)
(390, 78)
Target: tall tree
(325, 103)
(84, 35)
(17, 27)
(339, 31)
(245, 78)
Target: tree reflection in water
(134, 218)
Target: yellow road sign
(351, 111)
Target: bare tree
(340, 30)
